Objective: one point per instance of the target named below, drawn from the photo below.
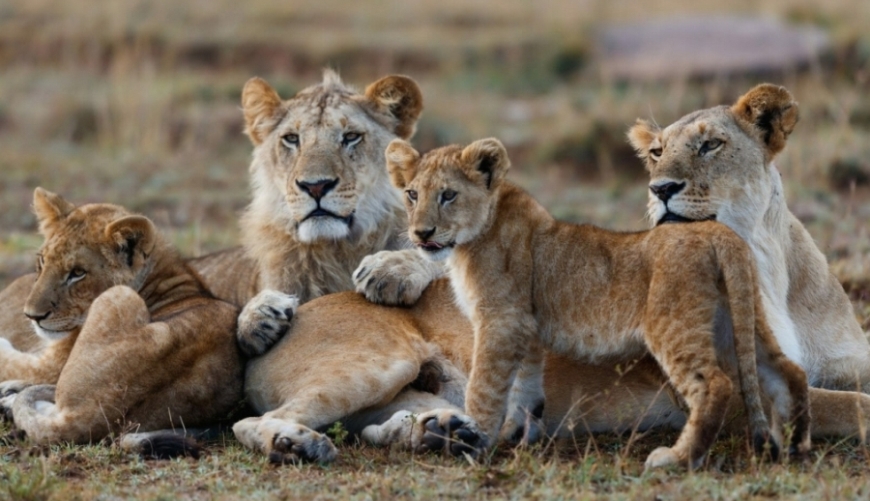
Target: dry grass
(136, 102)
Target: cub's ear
(50, 208)
(132, 236)
(260, 104)
(641, 135)
(772, 110)
(487, 160)
(402, 161)
(400, 97)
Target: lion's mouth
(671, 217)
(320, 212)
(432, 246)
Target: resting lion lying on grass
(132, 338)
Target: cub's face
(714, 164)
(450, 193)
(319, 156)
(86, 251)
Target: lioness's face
(86, 251)
(322, 151)
(450, 192)
(715, 163)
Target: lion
(421, 406)
(527, 281)
(322, 200)
(132, 337)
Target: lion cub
(526, 280)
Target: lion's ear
(402, 161)
(260, 104)
(132, 235)
(641, 135)
(772, 110)
(399, 96)
(49, 208)
(487, 160)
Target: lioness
(528, 281)
(133, 338)
(718, 164)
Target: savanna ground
(136, 102)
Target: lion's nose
(425, 234)
(36, 317)
(317, 189)
(665, 191)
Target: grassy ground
(136, 103)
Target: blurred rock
(705, 46)
(844, 173)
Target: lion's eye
(75, 275)
(351, 138)
(655, 154)
(290, 140)
(447, 196)
(709, 145)
(412, 195)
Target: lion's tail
(744, 300)
(167, 444)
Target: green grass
(591, 468)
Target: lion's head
(717, 163)
(318, 167)
(87, 250)
(449, 192)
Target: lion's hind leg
(44, 422)
(281, 436)
(421, 422)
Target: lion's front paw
(523, 428)
(662, 457)
(449, 431)
(394, 277)
(9, 391)
(264, 320)
(297, 444)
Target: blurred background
(137, 102)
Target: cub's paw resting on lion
(395, 277)
(137, 341)
(529, 282)
(438, 430)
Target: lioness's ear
(132, 235)
(49, 208)
(399, 96)
(772, 110)
(260, 103)
(486, 159)
(641, 135)
(402, 161)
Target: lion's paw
(264, 320)
(523, 428)
(394, 277)
(296, 444)
(661, 457)
(450, 431)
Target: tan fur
(132, 337)
(592, 294)
(580, 397)
(738, 184)
(327, 133)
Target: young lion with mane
(526, 280)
